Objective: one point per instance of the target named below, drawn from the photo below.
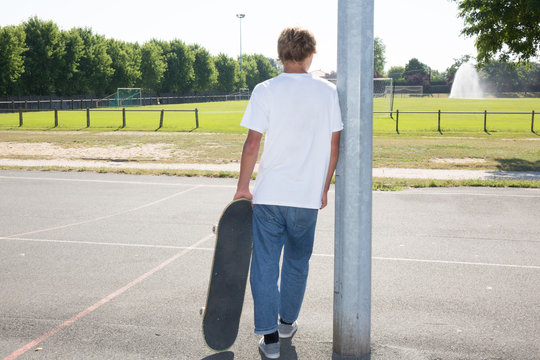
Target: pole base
(347, 357)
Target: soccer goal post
(383, 96)
(128, 97)
(411, 90)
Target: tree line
(496, 75)
(37, 58)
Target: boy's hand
(324, 200)
(243, 194)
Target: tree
(205, 73)
(179, 76)
(153, 66)
(249, 76)
(68, 65)
(266, 67)
(506, 77)
(95, 69)
(11, 60)
(125, 62)
(416, 73)
(43, 52)
(396, 72)
(378, 57)
(228, 71)
(507, 28)
(257, 68)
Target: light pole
(240, 16)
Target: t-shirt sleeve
(337, 123)
(257, 112)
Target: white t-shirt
(298, 113)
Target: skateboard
(230, 268)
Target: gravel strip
(435, 174)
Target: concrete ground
(104, 266)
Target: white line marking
(105, 243)
(315, 254)
(106, 216)
(444, 262)
(113, 181)
(103, 301)
(457, 262)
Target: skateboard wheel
(214, 228)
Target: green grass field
(224, 117)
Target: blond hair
(296, 44)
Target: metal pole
(352, 263)
(240, 16)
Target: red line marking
(103, 301)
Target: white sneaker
(271, 351)
(287, 331)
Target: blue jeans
(275, 228)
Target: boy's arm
(334, 155)
(250, 153)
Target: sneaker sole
(269, 356)
(286, 336)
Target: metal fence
(395, 115)
(82, 103)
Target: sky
(428, 30)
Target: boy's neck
(295, 67)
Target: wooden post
(439, 122)
(161, 119)
(485, 121)
(123, 117)
(20, 118)
(532, 122)
(196, 118)
(55, 117)
(88, 117)
(397, 120)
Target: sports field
(224, 117)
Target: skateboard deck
(230, 268)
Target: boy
(301, 117)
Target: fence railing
(394, 114)
(439, 113)
(124, 116)
(92, 103)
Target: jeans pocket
(305, 218)
(263, 212)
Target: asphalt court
(105, 266)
